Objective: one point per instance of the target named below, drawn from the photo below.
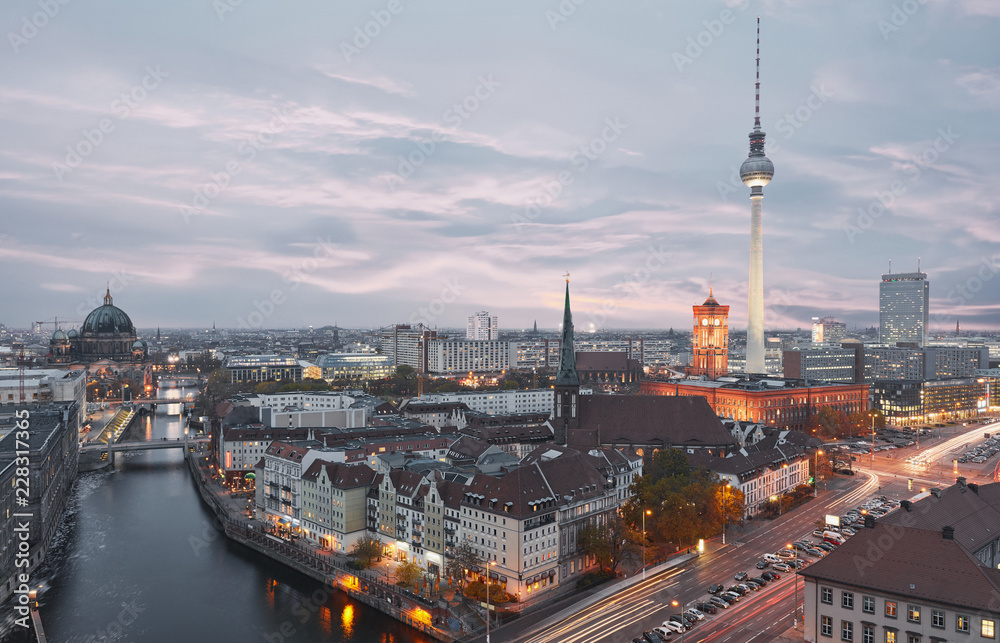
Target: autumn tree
(464, 557)
(366, 549)
(408, 574)
(609, 541)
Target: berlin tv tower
(756, 172)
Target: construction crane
(55, 322)
(20, 373)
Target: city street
(764, 615)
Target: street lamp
(795, 584)
(777, 500)
(819, 452)
(648, 512)
(492, 562)
(683, 626)
(725, 512)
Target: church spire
(567, 375)
(107, 296)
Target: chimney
(869, 522)
(948, 533)
(960, 480)
(905, 504)
(936, 491)
(974, 487)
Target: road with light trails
(626, 614)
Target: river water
(137, 559)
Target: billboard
(833, 520)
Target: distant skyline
(376, 163)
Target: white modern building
(482, 325)
(498, 402)
(458, 356)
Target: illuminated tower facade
(711, 339)
(756, 172)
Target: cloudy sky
(255, 162)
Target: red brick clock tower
(711, 339)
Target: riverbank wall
(416, 611)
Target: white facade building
(482, 325)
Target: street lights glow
(648, 512)
(683, 626)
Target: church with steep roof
(107, 334)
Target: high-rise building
(827, 330)
(406, 344)
(482, 325)
(756, 172)
(711, 339)
(903, 305)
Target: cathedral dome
(72, 334)
(108, 319)
(59, 336)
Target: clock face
(704, 322)
(718, 322)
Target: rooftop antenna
(709, 284)
(918, 264)
(890, 266)
(756, 111)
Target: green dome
(108, 319)
(59, 336)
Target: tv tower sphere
(756, 171)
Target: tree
(409, 574)
(366, 549)
(463, 558)
(609, 541)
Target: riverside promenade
(429, 611)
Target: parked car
(715, 589)
(681, 620)
(736, 589)
(730, 596)
(676, 628)
(708, 608)
(782, 567)
(742, 576)
(818, 553)
(785, 553)
(651, 637)
(771, 575)
(763, 564)
(663, 632)
(696, 614)
(798, 563)
(754, 585)
(719, 602)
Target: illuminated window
(987, 629)
(890, 609)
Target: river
(137, 559)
